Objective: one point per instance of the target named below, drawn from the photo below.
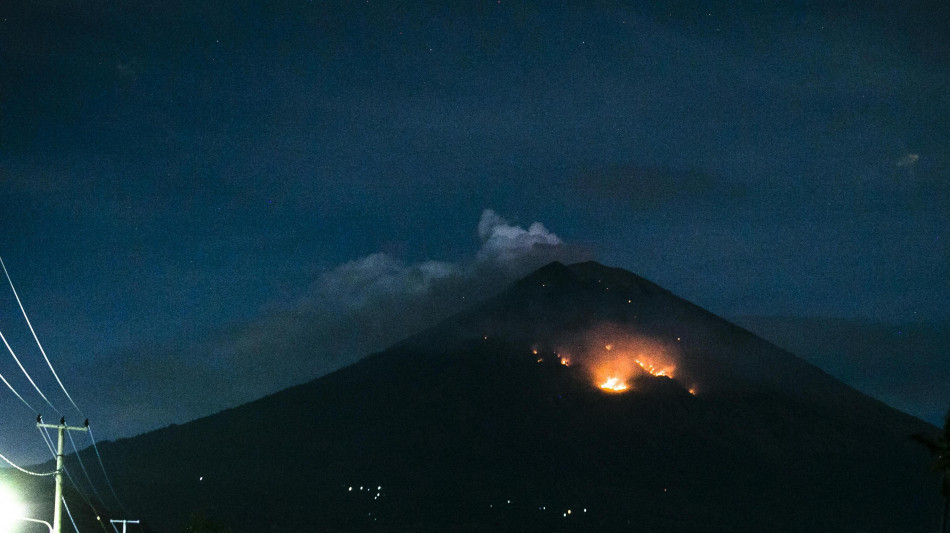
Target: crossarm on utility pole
(61, 428)
(123, 522)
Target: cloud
(356, 283)
(907, 160)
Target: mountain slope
(478, 424)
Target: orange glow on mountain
(649, 368)
(617, 359)
(614, 384)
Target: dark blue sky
(218, 176)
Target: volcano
(500, 419)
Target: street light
(38, 521)
(13, 511)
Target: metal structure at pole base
(37, 521)
(123, 522)
(62, 428)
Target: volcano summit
(581, 398)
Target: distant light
(350, 489)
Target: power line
(84, 471)
(25, 373)
(25, 471)
(49, 444)
(46, 438)
(7, 383)
(108, 482)
(42, 351)
(60, 468)
(70, 515)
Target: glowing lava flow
(614, 385)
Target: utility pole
(62, 428)
(123, 522)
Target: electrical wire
(108, 482)
(84, 471)
(48, 441)
(25, 471)
(70, 514)
(46, 437)
(69, 476)
(42, 351)
(25, 373)
(7, 383)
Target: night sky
(204, 202)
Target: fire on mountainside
(615, 359)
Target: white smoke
(503, 243)
(507, 251)
(515, 250)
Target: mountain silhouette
(497, 419)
